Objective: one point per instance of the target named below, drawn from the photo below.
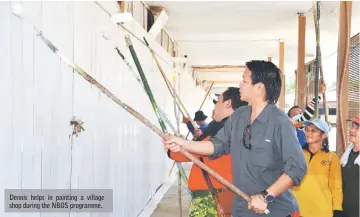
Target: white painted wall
(39, 94)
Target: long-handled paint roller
(141, 118)
(208, 92)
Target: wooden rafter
(219, 67)
(223, 82)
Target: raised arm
(309, 110)
(216, 147)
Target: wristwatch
(268, 197)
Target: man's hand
(257, 204)
(322, 87)
(197, 132)
(173, 143)
(186, 120)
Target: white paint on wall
(40, 94)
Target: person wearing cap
(200, 118)
(320, 192)
(202, 203)
(350, 162)
(299, 129)
(297, 115)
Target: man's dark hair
(270, 75)
(295, 106)
(233, 94)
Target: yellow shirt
(320, 192)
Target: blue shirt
(301, 136)
(191, 128)
(203, 127)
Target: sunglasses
(247, 137)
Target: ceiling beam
(219, 67)
(156, 10)
(224, 82)
(220, 70)
(219, 76)
(159, 24)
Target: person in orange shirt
(203, 186)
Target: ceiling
(213, 33)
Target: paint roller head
(17, 9)
(105, 35)
(128, 40)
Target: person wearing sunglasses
(203, 186)
(320, 193)
(350, 162)
(267, 159)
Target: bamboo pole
(206, 95)
(144, 80)
(203, 102)
(199, 109)
(151, 97)
(172, 92)
(178, 130)
(316, 13)
(140, 117)
(168, 84)
(162, 113)
(317, 70)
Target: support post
(281, 66)
(343, 75)
(300, 74)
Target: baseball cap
(355, 120)
(319, 123)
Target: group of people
(254, 145)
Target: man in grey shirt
(266, 156)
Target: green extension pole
(162, 113)
(318, 58)
(317, 32)
(151, 98)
